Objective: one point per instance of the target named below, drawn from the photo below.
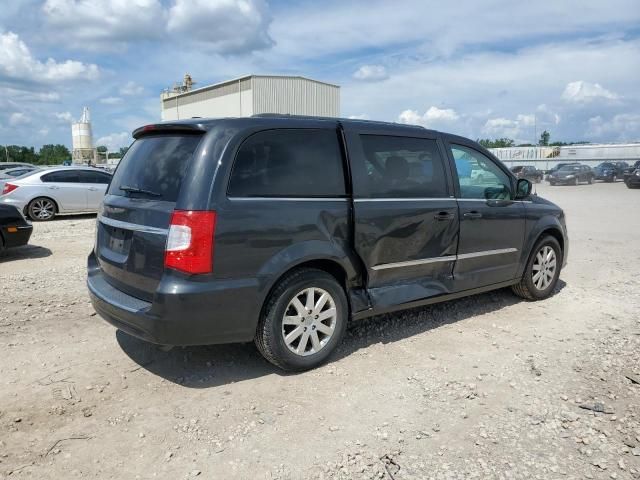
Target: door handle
(442, 216)
(93, 189)
(472, 215)
(53, 188)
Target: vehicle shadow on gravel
(24, 253)
(217, 365)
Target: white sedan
(57, 191)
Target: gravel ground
(485, 387)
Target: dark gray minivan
(281, 229)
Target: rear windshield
(154, 167)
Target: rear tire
(297, 331)
(41, 209)
(542, 272)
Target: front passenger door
(491, 223)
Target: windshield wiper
(129, 189)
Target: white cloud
(584, 92)
(432, 118)
(19, 118)
(18, 65)
(99, 23)
(131, 89)
(521, 129)
(624, 127)
(362, 116)
(223, 26)
(111, 100)
(64, 117)
(371, 73)
(114, 141)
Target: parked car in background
(15, 230)
(610, 171)
(630, 170)
(17, 171)
(633, 180)
(263, 229)
(530, 173)
(559, 166)
(572, 175)
(8, 165)
(45, 193)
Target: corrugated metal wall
(295, 96)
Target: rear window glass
(155, 164)
(288, 163)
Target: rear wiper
(129, 189)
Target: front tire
(41, 209)
(542, 272)
(304, 320)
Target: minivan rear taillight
(190, 241)
(8, 187)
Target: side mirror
(523, 188)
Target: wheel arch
(328, 265)
(543, 228)
(55, 203)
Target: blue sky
(478, 68)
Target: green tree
(544, 139)
(123, 150)
(22, 154)
(102, 149)
(53, 154)
(497, 143)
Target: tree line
(507, 142)
(47, 154)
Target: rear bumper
(183, 312)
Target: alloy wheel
(544, 268)
(43, 209)
(309, 321)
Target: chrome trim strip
(448, 258)
(499, 251)
(290, 199)
(411, 263)
(425, 199)
(132, 226)
(491, 200)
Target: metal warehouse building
(246, 96)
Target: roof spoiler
(168, 128)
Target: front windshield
(605, 165)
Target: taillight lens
(190, 241)
(8, 187)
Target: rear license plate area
(118, 240)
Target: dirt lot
(485, 387)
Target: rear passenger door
(96, 184)
(65, 188)
(406, 219)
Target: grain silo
(82, 140)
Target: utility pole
(6, 153)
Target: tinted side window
(288, 163)
(63, 177)
(402, 167)
(94, 177)
(478, 176)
